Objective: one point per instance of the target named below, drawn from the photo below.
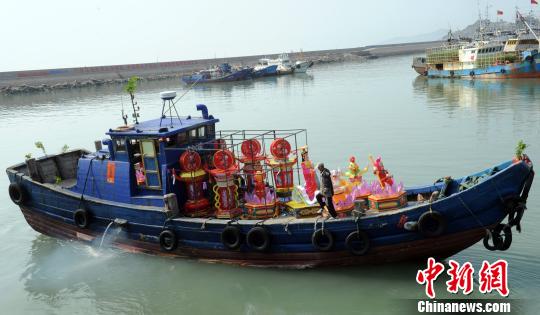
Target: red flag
(534, 2)
(500, 12)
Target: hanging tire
(358, 242)
(231, 237)
(258, 238)
(502, 241)
(431, 224)
(506, 237)
(496, 241)
(17, 193)
(81, 218)
(322, 240)
(167, 240)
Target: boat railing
(232, 140)
(443, 54)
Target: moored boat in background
(514, 57)
(419, 65)
(263, 69)
(222, 73)
(301, 66)
(283, 63)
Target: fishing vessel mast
(528, 27)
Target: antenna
(168, 97)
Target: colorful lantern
(195, 178)
(225, 190)
(282, 169)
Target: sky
(38, 34)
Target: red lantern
(194, 177)
(282, 168)
(226, 190)
(251, 150)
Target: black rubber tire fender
(17, 193)
(355, 237)
(81, 218)
(431, 224)
(231, 237)
(496, 241)
(501, 242)
(258, 239)
(168, 240)
(319, 237)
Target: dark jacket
(327, 188)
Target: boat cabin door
(150, 163)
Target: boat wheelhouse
(177, 186)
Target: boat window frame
(123, 143)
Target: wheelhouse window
(211, 130)
(193, 133)
(119, 144)
(202, 132)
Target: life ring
(280, 148)
(167, 240)
(251, 148)
(231, 237)
(81, 218)
(190, 161)
(258, 238)
(358, 242)
(17, 193)
(323, 240)
(431, 224)
(223, 159)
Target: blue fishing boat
(222, 73)
(178, 186)
(263, 69)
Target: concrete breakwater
(14, 82)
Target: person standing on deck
(327, 191)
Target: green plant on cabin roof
(57, 180)
(40, 145)
(28, 156)
(131, 87)
(65, 148)
(520, 147)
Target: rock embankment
(16, 82)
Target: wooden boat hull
(50, 210)
(440, 247)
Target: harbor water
(423, 129)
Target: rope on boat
(203, 225)
(260, 222)
(287, 226)
(85, 181)
(470, 211)
(497, 189)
